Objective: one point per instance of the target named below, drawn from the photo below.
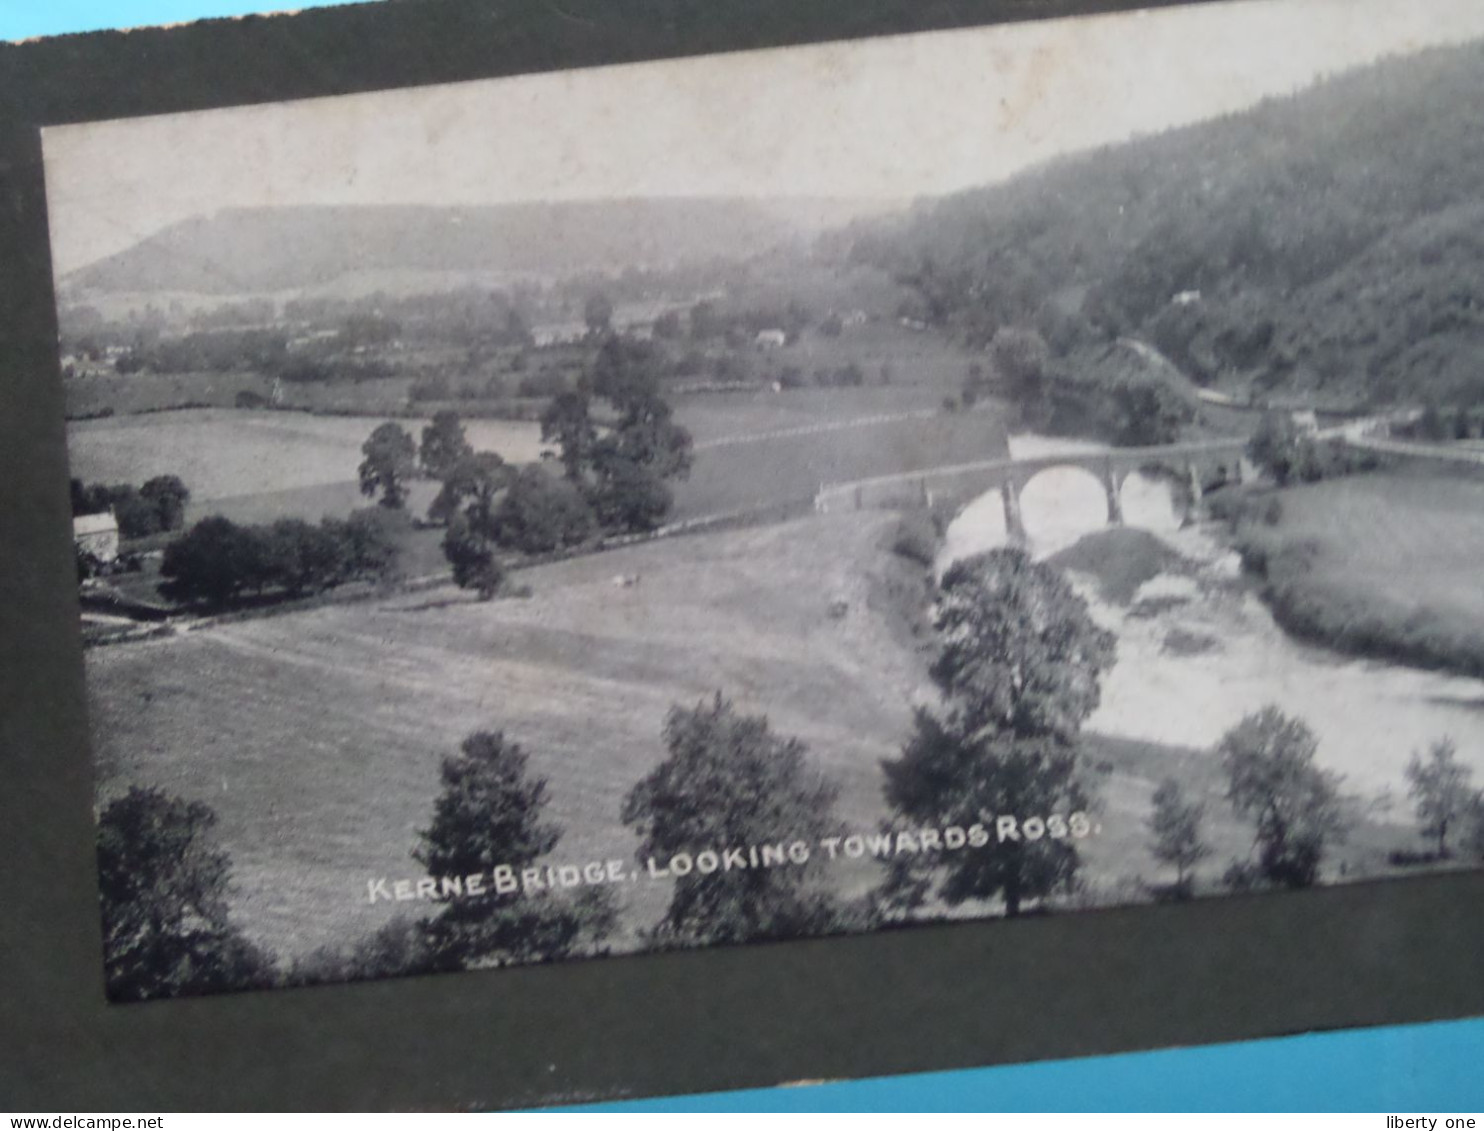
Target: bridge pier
(1110, 489)
(1014, 524)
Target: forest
(1322, 247)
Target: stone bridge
(1193, 465)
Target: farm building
(97, 534)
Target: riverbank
(1384, 565)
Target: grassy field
(1381, 564)
(317, 736)
(254, 466)
(225, 453)
(782, 462)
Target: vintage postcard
(791, 493)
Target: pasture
(317, 736)
(1385, 563)
(772, 458)
(254, 466)
(225, 453)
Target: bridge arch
(1062, 502)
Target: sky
(892, 119)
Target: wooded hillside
(1326, 245)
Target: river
(1197, 648)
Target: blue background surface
(1434, 1068)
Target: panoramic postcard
(981, 474)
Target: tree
(1018, 666)
(1019, 654)
(298, 556)
(568, 421)
(1020, 357)
(390, 461)
(1440, 787)
(471, 483)
(213, 561)
(473, 560)
(372, 541)
(468, 543)
(1473, 840)
(730, 783)
(629, 496)
(488, 815)
(168, 496)
(444, 445)
(541, 513)
(163, 886)
(1268, 759)
(1175, 825)
(623, 471)
(1274, 446)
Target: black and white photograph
(1009, 471)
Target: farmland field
(1387, 564)
(783, 459)
(222, 453)
(254, 466)
(317, 736)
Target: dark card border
(902, 1001)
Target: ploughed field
(317, 736)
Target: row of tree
(1299, 812)
(617, 445)
(1019, 668)
(218, 560)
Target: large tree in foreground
(490, 814)
(730, 782)
(163, 886)
(1019, 667)
(1294, 805)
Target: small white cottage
(97, 534)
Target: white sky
(894, 118)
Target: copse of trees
(163, 885)
(1019, 667)
(730, 782)
(622, 470)
(1295, 806)
(218, 560)
(542, 513)
(156, 507)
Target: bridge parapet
(957, 484)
